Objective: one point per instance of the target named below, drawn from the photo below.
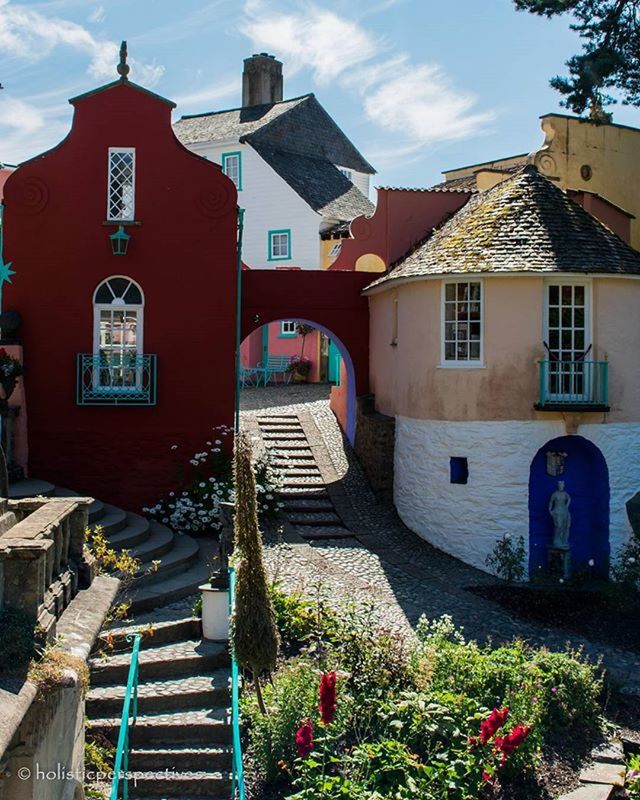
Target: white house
(297, 173)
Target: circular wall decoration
(31, 196)
(546, 164)
(215, 201)
(586, 172)
(361, 228)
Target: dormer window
(232, 168)
(348, 174)
(121, 184)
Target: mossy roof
(524, 224)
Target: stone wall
(374, 444)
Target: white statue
(559, 503)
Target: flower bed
(356, 711)
(207, 482)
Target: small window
(279, 245)
(462, 341)
(232, 168)
(288, 328)
(459, 468)
(118, 307)
(121, 184)
(346, 172)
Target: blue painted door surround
(586, 479)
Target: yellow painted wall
(326, 245)
(408, 380)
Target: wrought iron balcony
(573, 386)
(116, 379)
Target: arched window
(118, 305)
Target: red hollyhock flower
(304, 739)
(3, 352)
(492, 724)
(511, 741)
(487, 778)
(328, 703)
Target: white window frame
(225, 159)
(111, 151)
(286, 232)
(587, 283)
(284, 331)
(348, 173)
(98, 308)
(469, 363)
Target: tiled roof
(323, 187)
(467, 182)
(523, 224)
(300, 125)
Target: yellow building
(577, 154)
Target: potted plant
(300, 367)
(10, 371)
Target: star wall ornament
(5, 269)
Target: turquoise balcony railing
(237, 771)
(120, 785)
(116, 379)
(573, 385)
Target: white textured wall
(465, 520)
(270, 204)
(619, 443)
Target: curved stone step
(175, 659)
(112, 521)
(96, 509)
(159, 541)
(182, 630)
(134, 531)
(170, 589)
(179, 558)
(31, 487)
(164, 695)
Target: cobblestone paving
(384, 561)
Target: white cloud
(20, 116)
(319, 39)
(210, 94)
(98, 14)
(414, 101)
(28, 34)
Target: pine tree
(610, 58)
(254, 633)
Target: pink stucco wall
(338, 399)
(408, 378)
(251, 348)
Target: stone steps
(204, 785)
(170, 588)
(305, 505)
(182, 553)
(184, 758)
(175, 659)
(324, 532)
(314, 518)
(182, 630)
(135, 532)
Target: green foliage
(507, 559)
(610, 57)
(301, 621)
(254, 634)
(17, 635)
(626, 569)
(197, 606)
(633, 777)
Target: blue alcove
(586, 478)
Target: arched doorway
(586, 477)
(348, 389)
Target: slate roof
(467, 183)
(524, 224)
(300, 125)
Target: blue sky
(418, 85)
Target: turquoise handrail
(237, 773)
(573, 383)
(129, 708)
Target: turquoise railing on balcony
(120, 785)
(116, 379)
(237, 770)
(573, 384)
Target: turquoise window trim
(224, 158)
(270, 235)
(284, 334)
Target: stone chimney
(261, 80)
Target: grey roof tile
(524, 224)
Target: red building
(126, 355)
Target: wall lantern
(120, 242)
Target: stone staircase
(180, 741)
(182, 563)
(308, 506)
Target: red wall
(183, 256)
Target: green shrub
(301, 621)
(626, 569)
(17, 635)
(633, 777)
(507, 559)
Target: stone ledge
(83, 618)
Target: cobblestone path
(380, 559)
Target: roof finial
(123, 68)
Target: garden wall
(374, 445)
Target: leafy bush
(633, 777)
(195, 507)
(507, 559)
(626, 569)
(17, 635)
(301, 621)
